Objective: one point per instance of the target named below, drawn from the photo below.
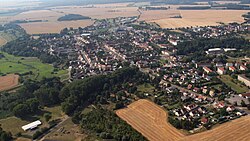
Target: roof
(31, 125)
(207, 69)
(246, 94)
(215, 49)
(243, 66)
(232, 68)
(221, 68)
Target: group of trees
(78, 93)
(29, 47)
(28, 107)
(73, 17)
(30, 97)
(183, 124)
(5, 136)
(73, 97)
(195, 49)
(1, 56)
(109, 126)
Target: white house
(221, 70)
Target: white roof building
(31, 125)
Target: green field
(14, 124)
(233, 84)
(21, 65)
(7, 37)
(146, 88)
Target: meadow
(21, 65)
(13, 124)
(233, 84)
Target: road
(42, 137)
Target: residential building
(244, 79)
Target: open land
(8, 81)
(2, 41)
(53, 27)
(150, 120)
(11, 64)
(13, 124)
(236, 130)
(200, 18)
(6, 37)
(163, 18)
(67, 131)
(236, 86)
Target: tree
(5, 136)
(47, 96)
(47, 116)
(21, 110)
(243, 104)
(33, 104)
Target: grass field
(67, 131)
(11, 64)
(14, 124)
(5, 37)
(145, 88)
(239, 88)
(9, 81)
(150, 120)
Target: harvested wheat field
(201, 18)
(151, 15)
(150, 120)
(236, 130)
(53, 27)
(99, 12)
(8, 82)
(38, 15)
(2, 41)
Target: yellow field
(102, 11)
(99, 12)
(236, 130)
(151, 121)
(153, 15)
(2, 41)
(201, 18)
(53, 27)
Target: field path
(150, 120)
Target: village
(207, 90)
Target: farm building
(32, 125)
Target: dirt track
(8, 81)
